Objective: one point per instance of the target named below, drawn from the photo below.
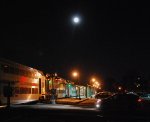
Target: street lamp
(91, 86)
(76, 75)
(95, 83)
(93, 80)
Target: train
(22, 84)
(28, 84)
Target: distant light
(5, 66)
(138, 78)
(120, 88)
(138, 85)
(55, 74)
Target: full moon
(76, 20)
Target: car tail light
(140, 100)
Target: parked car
(144, 95)
(120, 102)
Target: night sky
(112, 39)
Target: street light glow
(75, 74)
(93, 80)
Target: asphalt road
(47, 112)
(80, 111)
(55, 106)
(66, 113)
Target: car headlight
(97, 106)
(98, 103)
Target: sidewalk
(70, 101)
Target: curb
(82, 101)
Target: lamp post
(76, 75)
